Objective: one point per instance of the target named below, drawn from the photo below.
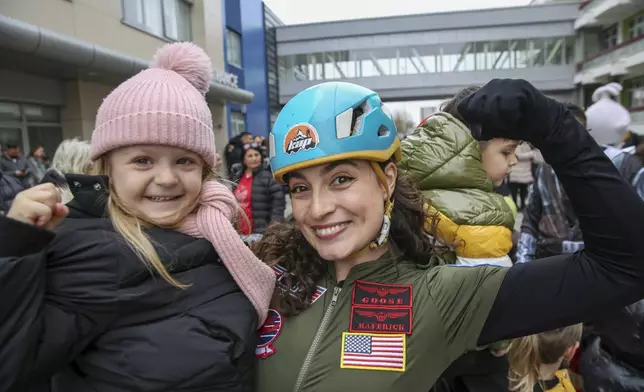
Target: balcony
(605, 12)
(616, 61)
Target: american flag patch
(318, 293)
(319, 290)
(373, 351)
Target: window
(237, 123)
(30, 126)
(169, 19)
(608, 37)
(635, 27)
(635, 93)
(234, 48)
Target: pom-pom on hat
(164, 104)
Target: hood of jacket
(444, 161)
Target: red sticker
(380, 319)
(379, 294)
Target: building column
(71, 118)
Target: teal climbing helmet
(329, 122)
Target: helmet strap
(383, 237)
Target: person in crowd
(12, 163)
(457, 175)
(10, 186)
(632, 139)
(37, 164)
(234, 153)
(536, 360)
(549, 225)
(639, 152)
(73, 156)
(608, 123)
(611, 357)
(521, 175)
(263, 144)
(217, 166)
(361, 298)
(160, 295)
(261, 198)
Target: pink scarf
(213, 222)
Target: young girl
(162, 294)
(535, 360)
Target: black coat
(267, 200)
(10, 186)
(80, 306)
(475, 371)
(612, 356)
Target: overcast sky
(311, 11)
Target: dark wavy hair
(284, 244)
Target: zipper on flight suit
(318, 336)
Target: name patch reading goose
(378, 294)
(301, 137)
(381, 308)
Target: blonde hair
(131, 228)
(73, 156)
(529, 353)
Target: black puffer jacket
(10, 186)
(267, 199)
(81, 307)
(612, 357)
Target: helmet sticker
(301, 137)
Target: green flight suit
(312, 352)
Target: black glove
(512, 109)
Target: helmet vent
(356, 120)
(383, 131)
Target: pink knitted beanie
(164, 104)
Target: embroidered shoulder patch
(381, 308)
(369, 351)
(381, 319)
(268, 334)
(380, 294)
(319, 290)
